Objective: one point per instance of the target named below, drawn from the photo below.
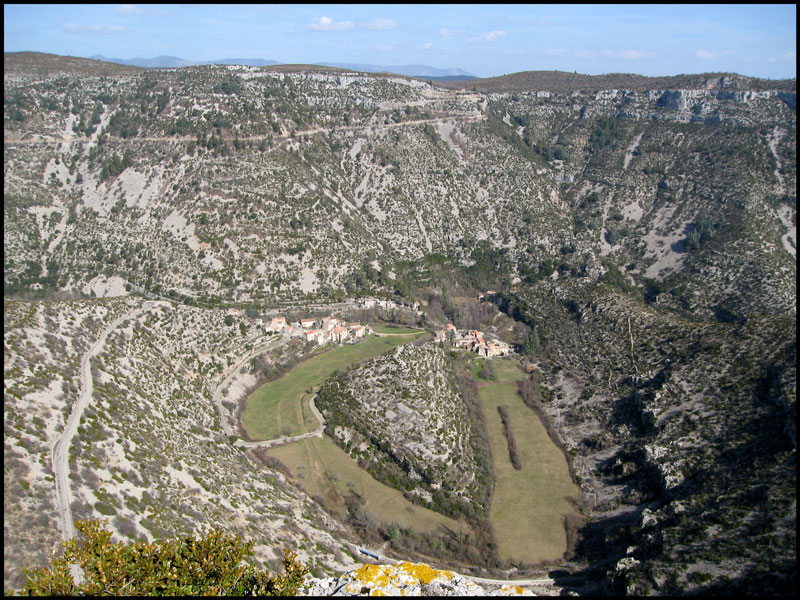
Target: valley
(638, 241)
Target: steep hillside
(401, 416)
(149, 454)
(682, 432)
(226, 182)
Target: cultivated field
(529, 505)
(326, 470)
(280, 407)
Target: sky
(485, 40)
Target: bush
(212, 565)
(702, 231)
(513, 454)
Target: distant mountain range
(171, 62)
(175, 62)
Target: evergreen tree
(531, 344)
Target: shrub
(512, 443)
(212, 565)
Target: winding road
(60, 450)
(279, 138)
(271, 344)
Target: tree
(702, 231)
(531, 344)
(210, 565)
(488, 371)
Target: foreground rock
(404, 579)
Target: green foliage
(614, 235)
(115, 165)
(614, 276)
(605, 132)
(532, 343)
(211, 565)
(231, 86)
(543, 149)
(488, 372)
(702, 231)
(490, 267)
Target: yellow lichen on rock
(513, 590)
(423, 573)
(375, 574)
(401, 579)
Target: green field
(280, 407)
(529, 505)
(325, 469)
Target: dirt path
(60, 451)
(217, 395)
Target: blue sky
(485, 40)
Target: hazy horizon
(485, 40)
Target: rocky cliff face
(260, 184)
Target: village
(319, 331)
(331, 329)
(472, 340)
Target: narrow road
(217, 396)
(60, 451)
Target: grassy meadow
(280, 407)
(326, 470)
(529, 505)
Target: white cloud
(388, 47)
(328, 24)
(425, 46)
(72, 28)
(788, 57)
(706, 55)
(628, 54)
(633, 54)
(445, 32)
(382, 24)
(131, 9)
(556, 52)
(488, 37)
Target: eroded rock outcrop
(404, 579)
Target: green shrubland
(214, 564)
